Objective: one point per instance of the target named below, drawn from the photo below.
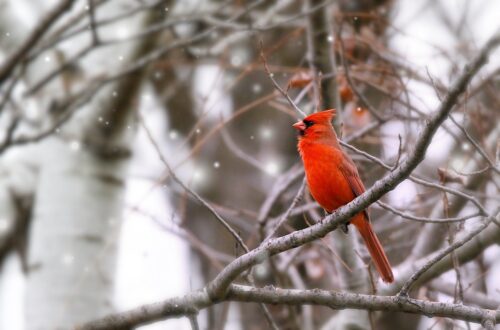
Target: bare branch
(426, 219)
(192, 192)
(277, 86)
(440, 255)
(197, 300)
(18, 55)
(285, 216)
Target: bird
(334, 181)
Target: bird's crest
(321, 116)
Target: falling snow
(122, 33)
(272, 168)
(457, 163)
(4, 225)
(74, 145)
(236, 60)
(198, 175)
(173, 135)
(67, 259)
(112, 222)
(266, 133)
(261, 271)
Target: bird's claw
(344, 227)
(402, 295)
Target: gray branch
(18, 55)
(192, 302)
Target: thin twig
(358, 93)
(276, 85)
(190, 191)
(476, 145)
(19, 54)
(426, 219)
(443, 253)
(93, 28)
(285, 216)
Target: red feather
(334, 181)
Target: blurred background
(98, 96)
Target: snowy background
(154, 261)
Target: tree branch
(17, 56)
(192, 302)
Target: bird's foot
(344, 227)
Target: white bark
(79, 201)
(17, 181)
(72, 250)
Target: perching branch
(193, 302)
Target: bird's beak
(299, 126)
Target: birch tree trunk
(78, 204)
(72, 251)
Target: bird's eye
(308, 123)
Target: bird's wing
(350, 173)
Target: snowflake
(266, 133)
(4, 225)
(256, 88)
(75, 145)
(173, 135)
(68, 259)
(236, 60)
(272, 168)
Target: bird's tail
(374, 247)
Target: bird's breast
(326, 182)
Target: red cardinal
(334, 181)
